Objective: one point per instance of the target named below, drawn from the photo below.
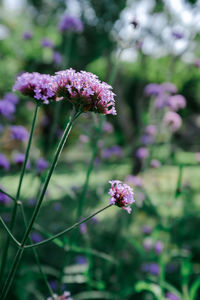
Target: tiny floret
(121, 195)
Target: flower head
(7, 108)
(142, 153)
(57, 58)
(176, 102)
(19, 132)
(155, 163)
(151, 130)
(158, 247)
(41, 165)
(27, 35)
(172, 296)
(121, 195)
(12, 98)
(65, 296)
(173, 120)
(19, 158)
(69, 23)
(152, 89)
(35, 85)
(85, 91)
(4, 163)
(47, 43)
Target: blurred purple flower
(83, 138)
(158, 247)
(176, 102)
(152, 268)
(108, 127)
(168, 87)
(115, 151)
(47, 43)
(146, 229)
(53, 284)
(41, 165)
(152, 89)
(134, 180)
(172, 296)
(177, 35)
(147, 139)
(57, 58)
(4, 199)
(27, 35)
(83, 228)
(151, 130)
(36, 237)
(4, 163)
(69, 23)
(197, 155)
(12, 98)
(81, 260)
(142, 153)
(121, 195)
(19, 133)
(7, 108)
(172, 120)
(155, 163)
(18, 158)
(148, 244)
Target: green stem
(20, 251)
(43, 275)
(8, 231)
(67, 229)
(14, 211)
(5, 193)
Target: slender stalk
(5, 193)
(9, 233)
(14, 211)
(43, 275)
(20, 251)
(67, 229)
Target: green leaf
(194, 289)
(151, 287)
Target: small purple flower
(134, 180)
(35, 85)
(4, 199)
(19, 158)
(155, 163)
(197, 155)
(152, 89)
(152, 268)
(176, 102)
(7, 108)
(57, 58)
(83, 138)
(121, 195)
(41, 165)
(177, 35)
(65, 296)
(4, 163)
(172, 120)
(84, 90)
(69, 23)
(27, 35)
(108, 127)
(151, 130)
(142, 153)
(172, 296)
(158, 247)
(146, 229)
(19, 133)
(148, 244)
(147, 139)
(12, 98)
(53, 284)
(168, 87)
(47, 43)
(36, 237)
(81, 260)
(83, 228)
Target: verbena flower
(19, 133)
(177, 35)
(152, 268)
(114, 151)
(158, 247)
(69, 23)
(47, 43)
(147, 139)
(19, 158)
(168, 87)
(148, 244)
(151, 130)
(35, 85)
(146, 229)
(57, 58)
(172, 296)
(152, 89)
(172, 120)
(7, 108)
(27, 35)
(85, 91)
(134, 180)
(41, 165)
(12, 98)
(155, 163)
(142, 153)
(65, 296)
(176, 102)
(4, 162)
(121, 195)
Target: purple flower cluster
(19, 133)
(4, 199)
(114, 151)
(152, 268)
(82, 89)
(121, 195)
(35, 85)
(8, 105)
(142, 153)
(172, 120)
(41, 165)
(27, 35)
(85, 91)
(172, 296)
(19, 158)
(65, 296)
(155, 163)
(69, 23)
(47, 43)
